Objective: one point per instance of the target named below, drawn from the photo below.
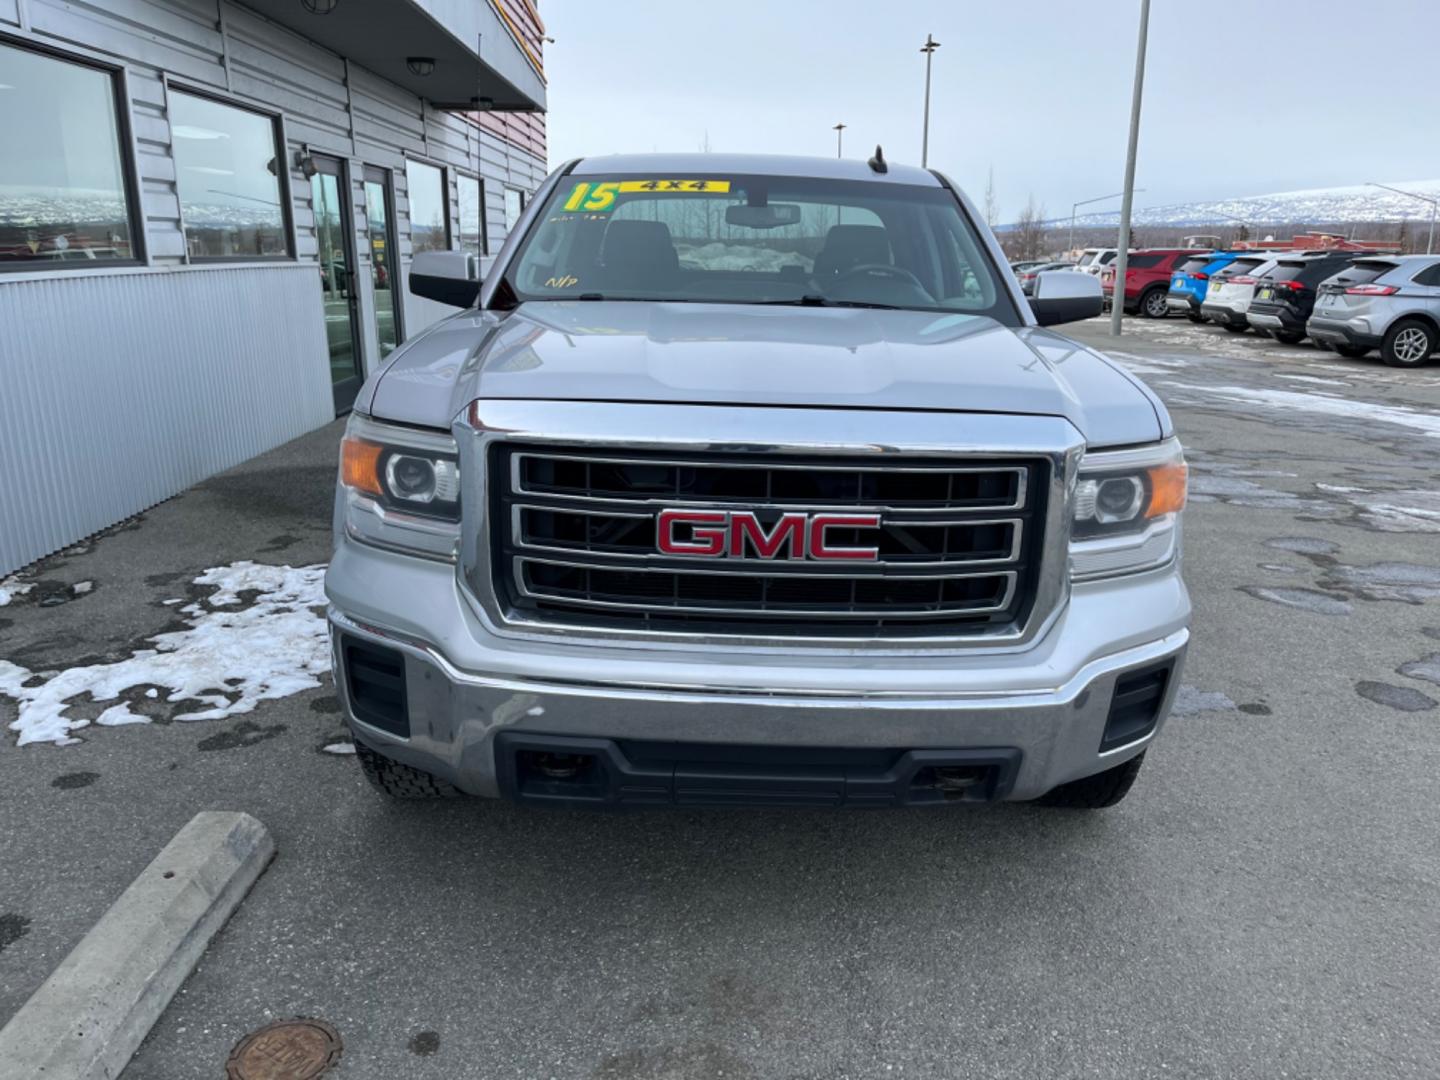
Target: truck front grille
(940, 548)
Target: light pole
(1087, 202)
(929, 50)
(839, 134)
(1434, 202)
(1122, 257)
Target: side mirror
(450, 277)
(1062, 296)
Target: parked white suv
(1093, 260)
(1228, 296)
(1388, 302)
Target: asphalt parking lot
(1265, 903)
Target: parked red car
(1147, 279)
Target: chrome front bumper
(465, 683)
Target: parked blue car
(1192, 277)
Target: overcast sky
(1245, 100)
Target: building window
(429, 213)
(63, 193)
(227, 172)
(514, 207)
(472, 216)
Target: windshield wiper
(815, 300)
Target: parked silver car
(704, 498)
(1387, 302)
(1228, 296)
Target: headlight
(1127, 507)
(401, 487)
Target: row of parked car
(1343, 300)
(1352, 302)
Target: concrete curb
(91, 1015)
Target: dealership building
(207, 215)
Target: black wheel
(1408, 344)
(1195, 316)
(1288, 337)
(1098, 791)
(400, 781)
(1235, 329)
(1153, 304)
(1354, 352)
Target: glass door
(380, 216)
(335, 235)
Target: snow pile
(721, 256)
(229, 660)
(11, 588)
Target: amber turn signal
(360, 465)
(1168, 486)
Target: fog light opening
(561, 766)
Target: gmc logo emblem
(717, 534)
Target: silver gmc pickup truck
(755, 480)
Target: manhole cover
(285, 1050)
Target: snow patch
(12, 588)
(1191, 700)
(227, 660)
(339, 748)
(1426, 422)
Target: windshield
(1087, 258)
(758, 239)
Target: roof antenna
(877, 163)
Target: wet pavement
(1264, 904)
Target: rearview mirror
(1062, 296)
(449, 277)
(773, 216)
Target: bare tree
(1028, 237)
(992, 208)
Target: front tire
(1288, 337)
(400, 781)
(1234, 329)
(1409, 343)
(1153, 305)
(1195, 316)
(1353, 352)
(1096, 792)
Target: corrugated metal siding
(328, 106)
(123, 390)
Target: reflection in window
(472, 215)
(514, 207)
(227, 171)
(62, 186)
(429, 217)
(377, 213)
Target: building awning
(477, 55)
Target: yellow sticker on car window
(592, 198)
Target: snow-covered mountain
(1319, 206)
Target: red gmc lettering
(790, 527)
(714, 534)
(707, 532)
(820, 549)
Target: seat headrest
(638, 245)
(849, 246)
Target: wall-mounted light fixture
(319, 7)
(420, 65)
(305, 162)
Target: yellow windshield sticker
(591, 198)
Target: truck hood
(738, 354)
